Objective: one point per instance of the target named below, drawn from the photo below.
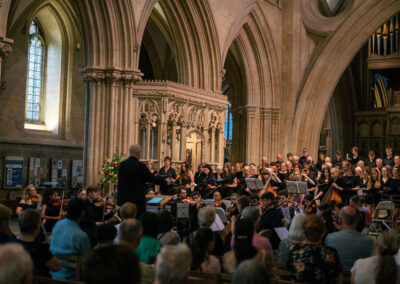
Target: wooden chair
(225, 278)
(197, 277)
(46, 280)
(72, 261)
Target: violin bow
(62, 202)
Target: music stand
(297, 187)
(182, 210)
(254, 184)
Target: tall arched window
(34, 95)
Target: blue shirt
(67, 238)
(350, 245)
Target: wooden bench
(72, 261)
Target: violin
(59, 202)
(100, 202)
(35, 199)
(217, 203)
(188, 200)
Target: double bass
(332, 194)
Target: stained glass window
(35, 72)
(228, 124)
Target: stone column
(212, 146)
(5, 49)
(148, 141)
(221, 146)
(174, 151)
(253, 134)
(183, 141)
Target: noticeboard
(13, 172)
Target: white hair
(15, 264)
(173, 264)
(296, 230)
(130, 230)
(135, 150)
(206, 216)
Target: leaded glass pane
(35, 70)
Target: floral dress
(314, 263)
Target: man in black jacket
(132, 178)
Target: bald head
(349, 216)
(135, 150)
(130, 231)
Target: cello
(267, 186)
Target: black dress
(52, 211)
(164, 188)
(395, 192)
(228, 180)
(324, 187)
(349, 182)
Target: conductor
(132, 178)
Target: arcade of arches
(201, 81)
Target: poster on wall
(59, 172)
(13, 172)
(37, 171)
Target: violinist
(233, 210)
(82, 194)
(218, 202)
(51, 209)
(324, 184)
(271, 216)
(182, 196)
(186, 177)
(29, 200)
(285, 204)
(196, 204)
(230, 181)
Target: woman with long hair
(230, 181)
(186, 177)
(51, 209)
(382, 267)
(202, 245)
(373, 187)
(29, 200)
(243, 248)
(396, 195)
(324, 184)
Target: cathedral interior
(199, 81)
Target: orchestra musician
(218, 202)
(271, 216)
(274, 183)
(51, 210)
(230, 181)
(82, 194)
(30, 199)
(324, 184)
(233, 210)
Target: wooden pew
(74, 262)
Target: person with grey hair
(251, 272)
(252, 213)
(132, 178)
(16, 265)
(173, 264)
(206, 218)
(350, 244)
(129, 235)
(295, 236)
(43, 259)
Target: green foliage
(109, 169)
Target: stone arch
(190, 30)
(328, 65)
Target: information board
(13, 172)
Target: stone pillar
(212, 146)
(148, 141)
(221, 146)
(173, 143)
(253, 134)
(5, 49)
(183, 141)
(108, 109)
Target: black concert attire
(302, 160)
(150, 185)
(228, 180)
(324, 187)
(370, 164)
(372, 196)
(388, 162)
(354, 160)
(241, 183)
(387, 187)
(52, 211)
(25, 206)
(319, 164)
(270, 219)
(395, 192)
(203, 185)
(337, 163)
(165, 188)
(132, 178)
(349, 182)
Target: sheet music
(217, 225)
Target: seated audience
(252, 214)
(382, 267)
(350, 244)
(15, 265)
(105, 235)
(206, 217)
(129, 236)
(149, 245)
(311, 261)
(173, 264)
(202, 245)
(244, 249)
(5, 231)
(43, 259)
(112, 264)
(295, 236)
(251, 272)
(68, 238)
(167, 235)
(128, 210)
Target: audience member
(311, 261)
(381, 268)
(167, 235)
(252, 214)
(202, 245)
(149, 245)
(128, 210)
(68, 238)
(112, 264)
(15, 265)
(43, 259)
(251, 272)
(173, 264)
(5, 231)
(350, 244)
(105, 235)
(295, 236)
(244, 249)
(206, 217)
